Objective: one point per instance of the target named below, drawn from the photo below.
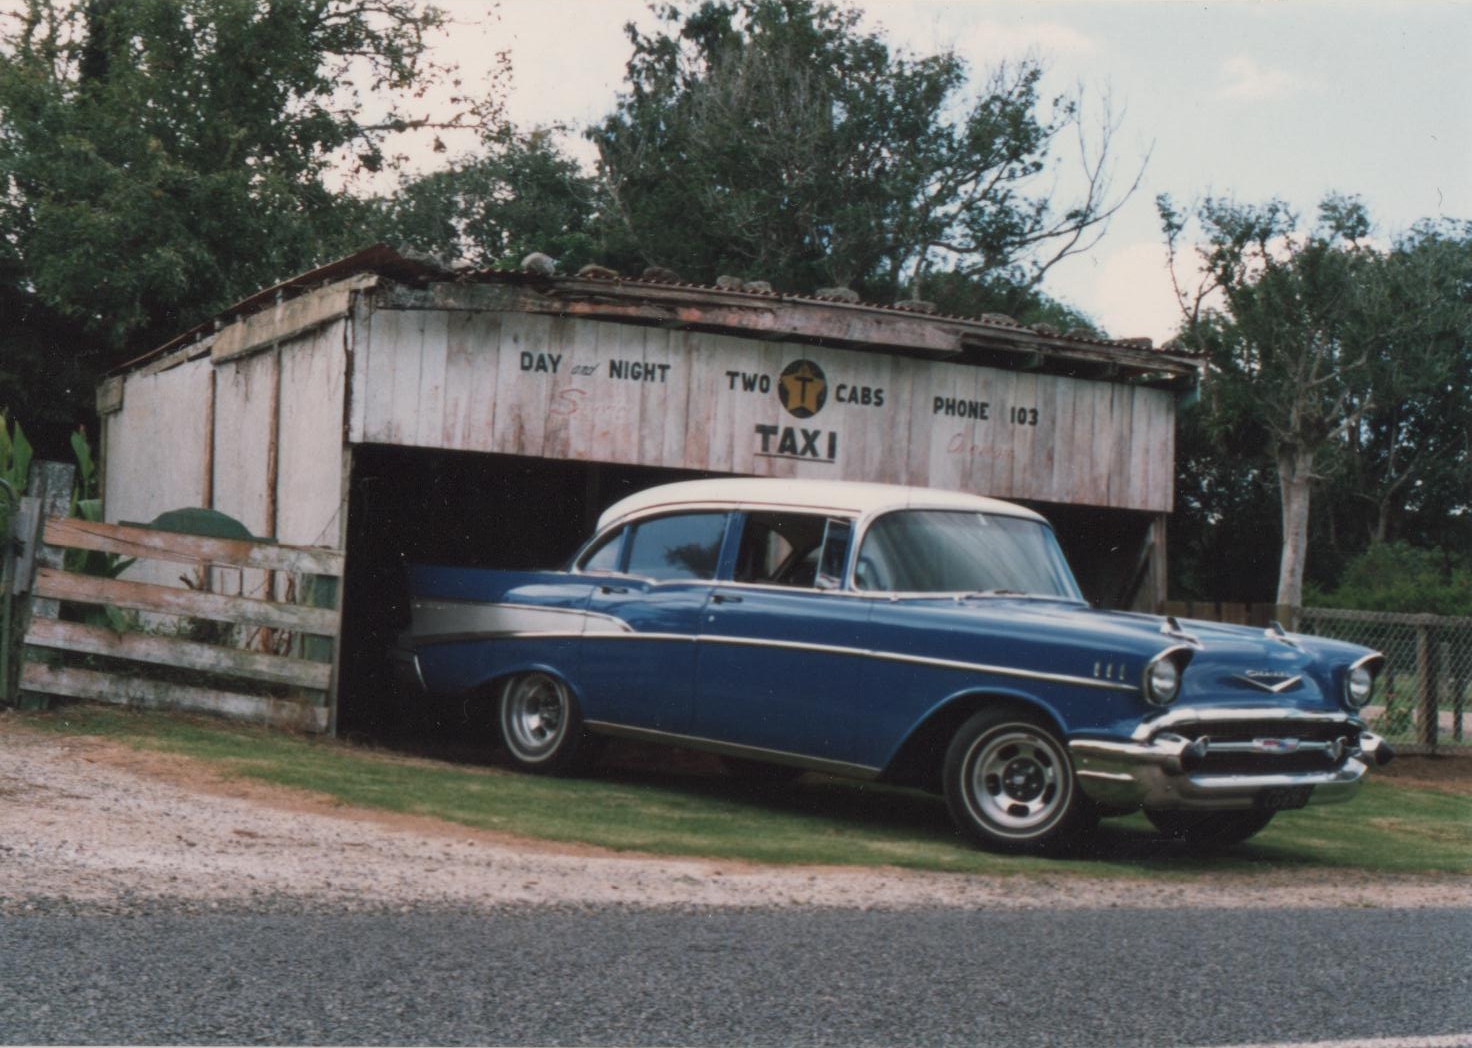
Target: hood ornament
(1272, 683)
(1276, 632)
(1172, 628)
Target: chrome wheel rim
(1017, 781)
(534, 713)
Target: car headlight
(1162, 680)
(1359, 682)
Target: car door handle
(726, 598)
(613, 589)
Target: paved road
(1179, 977)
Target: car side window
(606, 555)
(680, 546)
(780, 549)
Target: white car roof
(846, 497)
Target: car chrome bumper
(1161, 774)
(408, 675)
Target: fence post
(7, 573)
(51, 490)
(1427, 690)
(1458, 675)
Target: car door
(637, 663)
(779, 657)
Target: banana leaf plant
(87, 505)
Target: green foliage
(1405, 470)
(973, 295)
(777, 139)
(87, 505)
(163, 158)
(1221, 537)
(521, 195)
(1340, 368)
(1395, 576)
(15, 455)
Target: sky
(1250, 100)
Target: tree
(1395, 576)
(1314, 340)
(162, 158)
(776, 139)
(1225, 502)
(1407, 469)
(520, 195)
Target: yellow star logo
(803, 388)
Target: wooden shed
(388, 408)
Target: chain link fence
(1424, 701)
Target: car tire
(541, 726)
(1207, 830)
(1009, 784)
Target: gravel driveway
(95, 826)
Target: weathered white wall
(244, 389)
(564, 387)
(309, 479)
(157, 445)
(216, 434)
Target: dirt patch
(97, 823)
(1449, 773)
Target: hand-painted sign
(565, 387)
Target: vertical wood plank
(313, 374)
(359, 347)
(428, 424)
(50, 486)
(408, 348)
(483, 349)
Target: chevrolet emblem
(1274, 683)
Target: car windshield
(946, 551)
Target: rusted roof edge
(854, 322)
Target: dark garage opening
(418, 505)
(499, 511)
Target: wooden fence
(1425, 696)
(272, 661)
(1229, 612)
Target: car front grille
(1265, 748)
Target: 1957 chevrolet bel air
(915, 636)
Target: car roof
(847, 497)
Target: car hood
(1229, 664)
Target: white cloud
(928, 26)
(1248, 81)
(1127, 289)
(988, 41)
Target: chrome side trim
(922, 660)
(484, 623)
(435, 621)
(732, 749)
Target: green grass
(681, 806)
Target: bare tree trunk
(1295, 475)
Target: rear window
(683, 546)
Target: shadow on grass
(867, 808)
(677, 802)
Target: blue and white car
(914, 636)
